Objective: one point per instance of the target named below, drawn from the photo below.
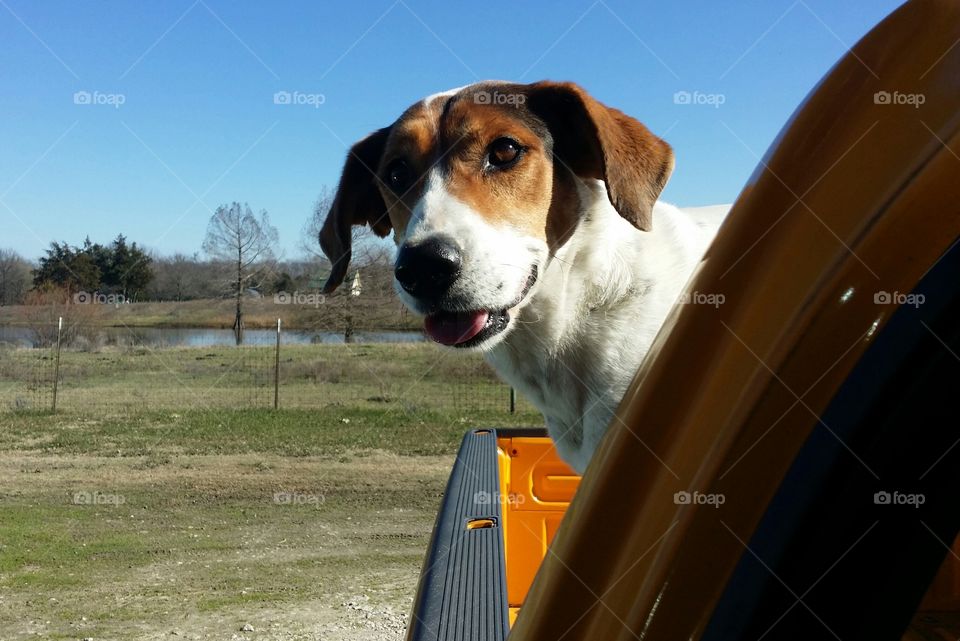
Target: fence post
(56, 366)
(513, 401)
(276, 371)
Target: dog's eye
(503, 152)
(398, 176)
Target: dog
(528, 227)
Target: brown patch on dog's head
(562, 132)
(412, 143)
(596, 141)
(517, 194)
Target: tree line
(117, 268)
(238, 258)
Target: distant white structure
(356, 287)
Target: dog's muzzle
(472, 328)
(427, 270)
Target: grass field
(369, 313)
(132, 514)
(405, 378)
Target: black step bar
(462, 594)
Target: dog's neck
(567, 353)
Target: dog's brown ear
(596, 141)
(357, 202)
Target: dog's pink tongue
(453, 328)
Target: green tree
(128, 271)
(101, 257)
(67, 267)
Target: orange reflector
(480, 524)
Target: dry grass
(413, 376)
(183, 533)
(369, 313)
(199, 545)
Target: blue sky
(198, 125)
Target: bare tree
(311, 228)
(246, 242)
(175, 277)
(374, 305)
(180, 277)
(367, 248)
(15, 277)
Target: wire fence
(96, 370)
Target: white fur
(579, 340)
(442, 94)
(496, 260)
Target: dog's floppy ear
(357, 202)
(596, 141)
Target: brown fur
(357, 202)
(564, 133)
(518, 197)
(596, 141)
(413, 138)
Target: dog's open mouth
(470, 328)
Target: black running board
(462, 594)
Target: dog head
(479, 186)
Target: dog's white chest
(581, 339)
(576, 387)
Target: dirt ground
(204, 546)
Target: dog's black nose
(427, 270)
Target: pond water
(156, 337)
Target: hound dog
(528, 227)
